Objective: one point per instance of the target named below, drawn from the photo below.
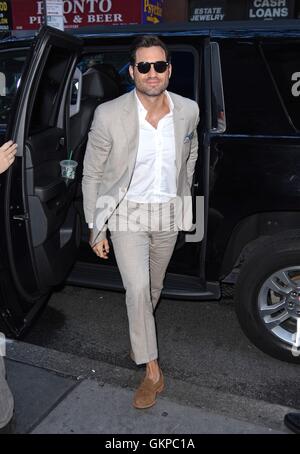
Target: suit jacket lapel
(131, 129)
(179, 130)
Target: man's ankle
(153, 372)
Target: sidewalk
(58, 393)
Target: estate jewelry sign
(209, 10)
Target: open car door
(40, 229)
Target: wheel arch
(255, 230)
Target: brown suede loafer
(145, 395)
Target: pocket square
(188, 137)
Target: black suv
(246, 79)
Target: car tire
(254, 295)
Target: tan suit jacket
(111, 153)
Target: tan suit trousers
(143, 237)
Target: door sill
(177, 286)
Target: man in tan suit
(137, 177)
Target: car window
(184, 69)
(284, 62)
(115, 64)
(112, 63)
(48, 86)
(11, 68)
(252, 103)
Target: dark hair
(147, 41)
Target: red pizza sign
(78, 13)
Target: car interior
(99, 84)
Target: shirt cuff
(91, 225)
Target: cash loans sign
(271, 9)
(78, 13)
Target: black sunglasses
(159, 66)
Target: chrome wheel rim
(279, 303)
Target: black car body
(246, 79)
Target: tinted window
(183, 78)
(11, 67)
(252, 103)
(47, 99)
(115, 63)
(49, 87)
(284, 62)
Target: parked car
(246, 79)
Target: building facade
(222, 10)
(30, 14)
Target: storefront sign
(203, 11)
(270, 9)
(78, 13)
(5, 15)
(152, 11)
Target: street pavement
(72, 373)
(59, 393)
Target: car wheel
(267, 298)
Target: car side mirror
(218, 117)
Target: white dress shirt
(154, 174)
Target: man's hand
(7, 155)
(101, 249)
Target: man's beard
(152, 91)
